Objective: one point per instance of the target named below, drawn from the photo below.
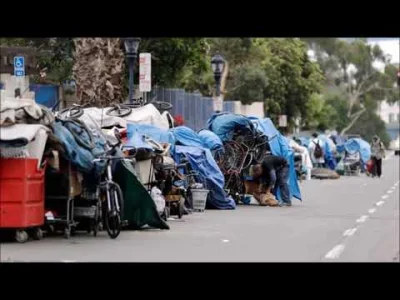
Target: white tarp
(147, 114)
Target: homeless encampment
(184, 143)
(280, 146)
(356, 145)
(224, 125)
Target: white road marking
(335, 252)
(371, 210)
(362, 219)
(389, 191)
(68, 261)
(380, 203)
(350, 232)
(385, 196)
(225, 241)
(364, 184)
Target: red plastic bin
(22, 193)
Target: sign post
(218, 104)
(145, 72)
(19, 66)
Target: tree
(321, 115)
(54, 56)
(176, 62)
(350, 66)
(98, 71)
(292, 77)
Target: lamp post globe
(131, 50)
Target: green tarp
(139, 207)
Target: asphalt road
(350, 219)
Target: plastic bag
(158, 199)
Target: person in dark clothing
(274, 170)
(377, 154)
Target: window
(391, 117)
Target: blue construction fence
(194, 108)
(45, 94)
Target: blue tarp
(80, 157)
(356, 145)
(280, 146)
(45, 94)
(201, 160)
(186, 137)
(210, 140)
(330, 160)
(136, 132)
(224, 124)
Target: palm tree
(98, 71)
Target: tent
(279, 146)
(356, 145)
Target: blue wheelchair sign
(19, 66)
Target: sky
(389, 46)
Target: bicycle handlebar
(109, 157)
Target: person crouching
(274, 170)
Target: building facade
(390, 114)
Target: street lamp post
(131, 50)
(218, 65)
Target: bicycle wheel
(113, 217)
(119, 111)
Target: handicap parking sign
(19, 66)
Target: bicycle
(110, 192)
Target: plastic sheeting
(356, 145)
(224, 124)
(210, 140)
(136, 133)
(186, 137)
(330, 160)
(201, 160)
(280, 146)
(81, 157)
(149, 115)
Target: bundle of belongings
(226, 125)
(70, 145)
(185, 145)
(356, 153)
(23, 128)
(90, 132)
(264, 199)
